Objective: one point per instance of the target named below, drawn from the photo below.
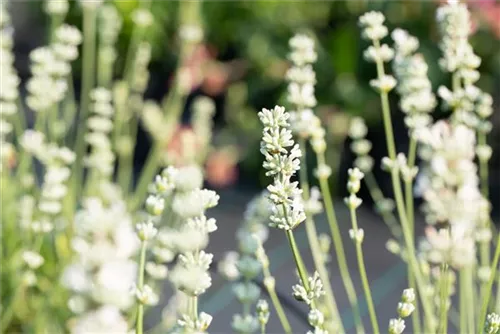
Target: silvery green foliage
(288, 210)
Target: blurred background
(244, 62)
(243, 58)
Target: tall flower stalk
(305, 125)
(374, 30)
(357, 235)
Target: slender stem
(194, 302)
(246, 308)
(377, 196)
(483, 167)
(140, 285)
(463, 302)
(339, 248)
(147, 174)
(298, 259)
(88, 77)
(362, 274)
(470, 299)
(443, 318)
(312, 237)
(486, 299)
(262, 328)
(412, 152)
(277, 305)
(407, 234)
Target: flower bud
(405, 309)
(408, 296)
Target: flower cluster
(203, 112)
(301, 80)
(374, 30)
(360, 146)
(492, 325)
(405, 309)
(103, 269)
(415, 89)
(246, 264)
(449, 186)
(101, 158)
(353, 202)
(458, 56)
(50, 67)
(288, 208)
(140, 73)
(317, 320)
(56, 7)
(110, 24)
(312, 293)
(177, 193)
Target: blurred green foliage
(257, 34)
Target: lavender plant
(86, 250)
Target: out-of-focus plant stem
(398, 194)
(88, 78)
(339, 247)
(312, 237)
(377, 196)
(139, 326)
(271, 289)
(412, 153)
(362, 274)
(443, 289)
(489, 287)
(189, 13)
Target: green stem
(140, 285)
(489, 288)
(407, 234)
(470, 299)
(483, 167)
(298, 259)
(463, 302)
(412, 152)
(194, 302)
(377, 196)
(88, 77)
(277, 305)
(147, 173)
(362, 274)
(312, 236)
(339, 248)
(443, 318)
(105, 74)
